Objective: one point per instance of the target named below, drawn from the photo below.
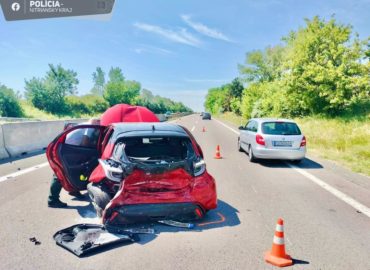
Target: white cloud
(181, 36)
(151, 49)
(205, 30)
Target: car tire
(99, 197)
(252, 158)
(240, 149)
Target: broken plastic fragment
(83, 238)
(177, 224)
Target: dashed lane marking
(192, 129)
(21, 172)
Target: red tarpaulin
(127, 113)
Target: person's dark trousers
(55, 188)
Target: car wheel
(99, 197)
(240, 149)
(250, 154)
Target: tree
(326, 74)
(236, 88)
(122, 92)
(99, 82)
(116, 75)
(9, 105)
(49, 93)
(263, 66)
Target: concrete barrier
(3, 152)
(161, 117)
(27, 137)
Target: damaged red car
(135, 172)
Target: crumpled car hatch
(141, 181)
(81, 239)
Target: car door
(249, 133)
(74, 154)
(243, 136)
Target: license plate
(282, 143)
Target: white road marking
(340, 195)
(226, 126)
(255, 191)
(31, 169)
(192, 129)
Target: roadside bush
(9, 104)
(95, 104)
(76, 106)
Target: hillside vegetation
(320, 69)
(55, 96)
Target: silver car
(268, 138)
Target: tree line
(56, 93)
(320, 69)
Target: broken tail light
(199, 167)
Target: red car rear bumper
(189, 202)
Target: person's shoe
(76, 194)
(57, 204)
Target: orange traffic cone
(277, 255)
(204, 129)
(218, 154)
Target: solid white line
(192, 129)
(340, 195)
(31, 169)
(226, 126)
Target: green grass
(32, 112)
(344, 140)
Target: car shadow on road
(304, 164)
(224, 215)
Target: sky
(177, 49)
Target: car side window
(86, 137)
(254, 126)
(248, 126)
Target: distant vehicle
(266, 138)
(135, 172)
(168, 113)
(206, 116)
(201, 114)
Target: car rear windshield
(167, 149)
(280, 128)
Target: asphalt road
(321, 230)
